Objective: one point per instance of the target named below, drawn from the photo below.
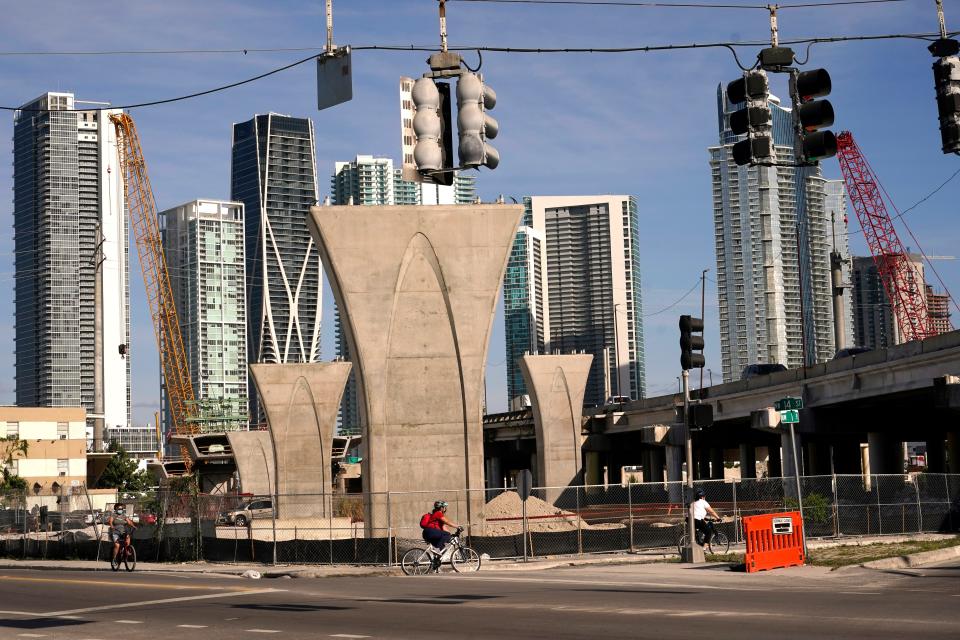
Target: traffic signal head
(431, 124)
(753, 120)
(475, 126)
(690, 343)
(946, 74)
(700, 416)
(813, 115)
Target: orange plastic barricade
(774, 540)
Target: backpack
(425, 520)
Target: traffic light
(690, 343)
(700, 416)
(813, 115)
(474, 99)
(433, 151)
(946, 75)
(754, 120)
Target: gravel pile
(542, 516)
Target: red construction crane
(899, 276)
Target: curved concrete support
(253, 454)
(556, 384)
(301, 403)
(416, 288)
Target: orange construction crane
(156, 279)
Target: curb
(914, 559)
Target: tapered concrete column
(653, 463)
(953, 452)
(748, 461)
(774, 460)
(556, 384)
(416, 288)
(786, 446)
(936, 454)
(301, 402)
(886, 453)
(253, 454)
(716, 463)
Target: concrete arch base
(416, 288)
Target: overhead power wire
(679, 5)
(530, 50)
(679, 300)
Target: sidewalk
(537, 564)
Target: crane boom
(166, 325)
(898, 275)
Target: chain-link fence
(338, 528)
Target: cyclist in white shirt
(700, 510)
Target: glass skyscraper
(773, 236)
(203, 242)
(273, 174)
(573, 285)
(71, 261)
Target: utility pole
(692, 553)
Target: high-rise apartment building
(71, 261)
(370, 180)
(203, 241)
(874, 322)
(774, 233)
(273, 174)
(584, 296)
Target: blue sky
(636, 123)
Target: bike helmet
(439, 504)
(700, 493)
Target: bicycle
(719, 542)
(126, 554)
(418, 562)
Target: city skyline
(579, 123)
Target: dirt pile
(503, 515)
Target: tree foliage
(121, 472)
(12, 448)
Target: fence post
(330, 529)
(836, 506)
(736, 528)
(579, 526)
(946, 486)
(390, 545)
(879, 513)
(916, 486)
(630, 508)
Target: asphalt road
(631, 601)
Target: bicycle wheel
(682, 544)
(115, 561)
(720, 543)
(130, 559)
(465, 560)
(415, 562)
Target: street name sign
(788, 404)
(790, 416)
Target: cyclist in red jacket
(435, 530)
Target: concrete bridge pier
(654, 460)
(774, 459)
(702, 464)
(953, 451)
(846, 456)
(748, 461)
(716, 463)
(936, 454)
(674, 460)
(817, 458)
(886, 453)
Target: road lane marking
(144, 603)
(120, 583)
(263, 631)
(346, 635)
(128, 621)
(192, 626)
(32, 635)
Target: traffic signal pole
(693, 552)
